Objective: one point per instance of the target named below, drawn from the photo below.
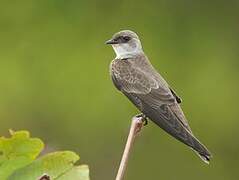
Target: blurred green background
(54, 81)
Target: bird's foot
(138, 122)
(143, 117)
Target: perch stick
(135, 128)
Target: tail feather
(201, 150)
(166, 119)
(205, 158)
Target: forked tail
(202, 151)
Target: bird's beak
(111, 41)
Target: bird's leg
(144, 118)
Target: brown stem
(135, 128)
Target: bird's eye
(126, 38)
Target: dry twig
(136, 126)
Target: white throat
(126, 50)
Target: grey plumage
(137, 79)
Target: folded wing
(149, 92)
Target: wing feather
(150, 93)
(145, 86)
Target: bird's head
(125, 44)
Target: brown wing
(178, 99)
(129, 77)
(145, 84)
(151, 94)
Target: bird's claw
(143, 117)
(145, 121)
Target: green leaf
(78, 172)
(17, 151)
(58, 165)
(17, 160)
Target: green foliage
(17, 152)
(17, 161)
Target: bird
(134, 75)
